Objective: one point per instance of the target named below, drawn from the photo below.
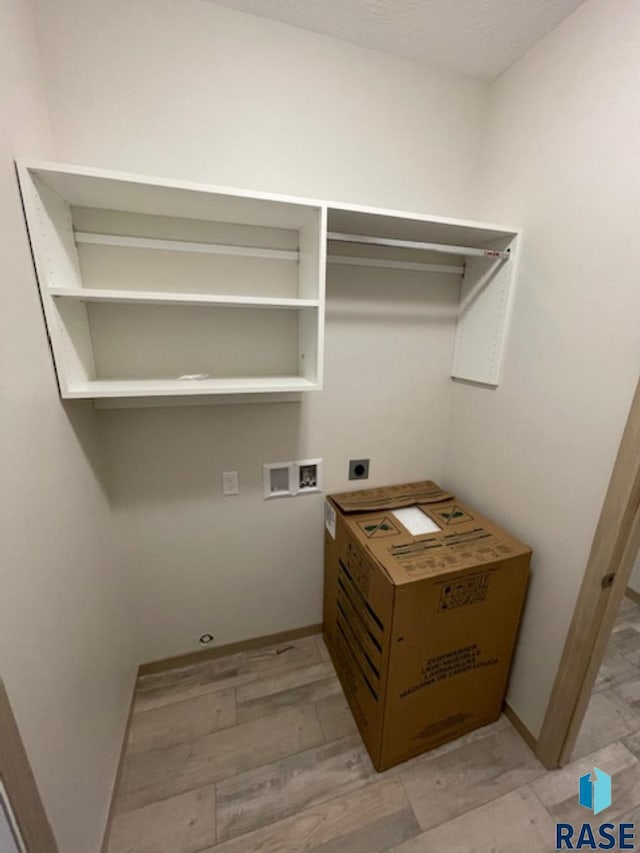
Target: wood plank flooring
(258, 752)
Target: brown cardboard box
(421, 627)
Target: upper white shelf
(141, 297)
(400, 225)
(109, 190)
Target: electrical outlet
(359, 469)
(230, 483)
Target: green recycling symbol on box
(378, 528)
(453, 515)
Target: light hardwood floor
(258, 752)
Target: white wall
(191, 90)
(561, 160)
(188, 89)
(65, 652)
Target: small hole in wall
(205, 639)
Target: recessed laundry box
(422, 602)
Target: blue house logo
(595, 794)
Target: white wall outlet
(230, 483)
(278, 480)
(308, 476)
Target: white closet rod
(447, 269)
(182, 246)
(248, 251)
(415, 244)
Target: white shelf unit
(481, 256)
(145, 283)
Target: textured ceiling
(476, 37)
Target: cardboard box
(420, 625)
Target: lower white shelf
(114, 388)
(146, 297)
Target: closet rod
(384, 263)
(183, 246)
(415, 244)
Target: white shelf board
(110, 190)
(103, 388)
(89, 187)
(149, 297)
(401, 225)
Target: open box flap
(390, 497)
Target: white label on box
(330, 519)
(415, 521)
